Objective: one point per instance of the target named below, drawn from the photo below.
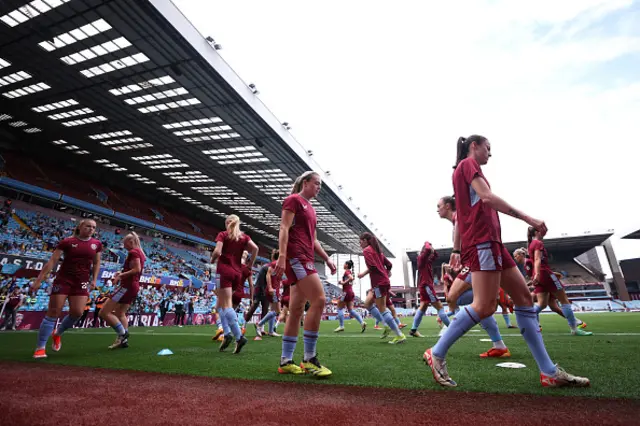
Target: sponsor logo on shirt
(94, 246)
(74, 246)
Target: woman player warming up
(76, 277)
(546, 283)
(298, 244)
(346, 300)
(426, 289)
(525, 265)
(378, 267)
(478, 239)
(273, 293)
(114, 311)
(230, 245)
(460, 292)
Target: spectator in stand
(165, 304)
(179, 310)
(14, 301)
(190, 310)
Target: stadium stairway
(21, 222)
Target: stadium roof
(131, 86)
(635, 235)
(571, 246)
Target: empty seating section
(53, 178)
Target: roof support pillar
(620, 286)
(407, 272)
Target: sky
(381, 91)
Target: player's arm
(135, 268)
(252, 248)
(286, 221)
(364, 273)
(442, 279)
(269, 285)
(387, 263)
(537, 263)
(492, 200)
(47, 268)
(96, 270)
(454, 259)
(250, 280)
(216, 252)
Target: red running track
(45, 394)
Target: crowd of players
(480, 274)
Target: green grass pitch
(610, 358)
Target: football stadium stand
(31, 233)
(631, 270)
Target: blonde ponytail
(305, 177)
(233, 227)
(135, 240)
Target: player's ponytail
(305, 177)
(451, 200)
(76, 231)
(531, 232)
(135, 241)
(349, 264)
(275, 254)
(233, 227)
(372, 241)
(464, 144)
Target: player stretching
(378, 267)
(426, 289)
(77, 275)
(114, 311)
(298, 246)
(273, 294)
(459, 293)
(478, 241)
(346, 300)
(230, 245)
(545, 282)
